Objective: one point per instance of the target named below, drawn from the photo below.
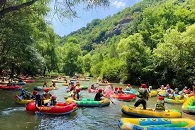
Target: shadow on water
(15, 117)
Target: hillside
(130, 45)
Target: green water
(15, 117)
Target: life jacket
(160, 105)
(143, 93)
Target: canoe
(156, 124)
(5, 87)
(139, 112)
(29, 80)
(18, 100)
(189, 105)
(89, 102)
(174, 101)
(59, 109)
(124, 97)
(40, 88)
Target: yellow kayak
(22, 101)
(3, 82)
(138, 111)
(153, 93)
(156, 124)
(175, 101)
(189, 105)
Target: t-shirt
(98, 97)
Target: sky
(84, 17)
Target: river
(15, 117)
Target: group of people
(39, 99)
(74, 90)
(45, 99)
(173, 93)
(52, 85)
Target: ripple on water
(9, 110)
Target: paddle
(112, 102)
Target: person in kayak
(99, 95)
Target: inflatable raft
(40, 88)
(82, 87)
(174, 101)
(189, 105)
(69, 94)
(153, 93)
(131, 91)
(18, 100)
(21, 83)
(124, 97)
(65, 84)
(5, 87)
(89, 102)
(59, 109)
(3, 82)
(156, 124)
(79, 79)
(29, 80)
(92, 90)
(58, 81)
(139, 112)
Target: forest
(151, 42)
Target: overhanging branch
(17, 7)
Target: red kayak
(29, 80)
(5, 87)
(124, 97)
(59, 109)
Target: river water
(15, 117)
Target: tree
(176, 56)
(135, 54)
(64, 8)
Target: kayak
(5, 87)
(59, 109)
(140, 112)
(90, 102)
(156, 124)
